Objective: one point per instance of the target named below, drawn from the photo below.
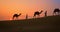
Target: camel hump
(41, 10)
(15, 14)
(57, 9)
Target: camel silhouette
(16, 16)
(37, 13)
(56, 10)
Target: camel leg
(54, 13)
(58, 13)
(13, 18)
(16, 18)
(38, 16)
(34, 16)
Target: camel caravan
(37, 13)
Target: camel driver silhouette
(45, 13)
(26, 16)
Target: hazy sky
(10, 7)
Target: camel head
(41, 11)
(19, 14)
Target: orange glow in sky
(10, 7)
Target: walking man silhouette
(45, 13)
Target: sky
(10, 7)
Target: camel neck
(40, 12)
